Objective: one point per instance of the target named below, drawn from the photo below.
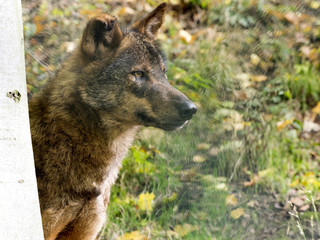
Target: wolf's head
(124, 74)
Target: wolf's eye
(138, 74)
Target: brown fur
(85, 119)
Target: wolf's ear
(102, 32)
(150, 24)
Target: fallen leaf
(279, 15)
(185, 229)
(309, 126)
(294, 183)
(305, 50)
(306, 27)
(251, 204)
(297, 201)
(214, 151)
(268, 117)
(304, 208)
(203, 146)
(300, 38)
(145, 201)
(222, 187)
(283, 124)
(315, 4)
(292, 17)
(243, 77)
(90, 12)
(240, 95)
(246, 124)
(198, 158)
(255, 59)
(135, 235)
(186, 36)
(39, 22)
(125, 11)
(70, 46)
(231, 200)
(316, 109)
(219, 38)
(237, 213)
(258, 78)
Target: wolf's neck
(83, 136)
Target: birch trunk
(19, 205)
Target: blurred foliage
(253, 69)
(304, 85)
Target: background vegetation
(247, 165)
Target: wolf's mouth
(174, 125)
(146, 120)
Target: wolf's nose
(187, 109)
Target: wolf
(85, 119)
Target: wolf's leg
(88, 222)
(54, 221)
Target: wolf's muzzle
(186, 110)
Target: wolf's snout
(187, 109)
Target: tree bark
(19, 205)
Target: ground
(246, 166)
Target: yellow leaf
(39, 22)
(309, 174)
(221, 186)
(90, 13)
(255, 59)
(227, 2)
(185, 229)
(219, 38)
(237, 213)
(316, 109)
(231, 200)
(174, 2)
(283, 124)
(198, 158)
(246, 124)
(145, 201)
(315, 4)
(258, 78)
(203, 146)
(294, 183)
(125, 11)
(306, 27)
(251, 204)
(135, 235)
(186, 36)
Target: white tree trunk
(19, 205)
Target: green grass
(304, 84)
